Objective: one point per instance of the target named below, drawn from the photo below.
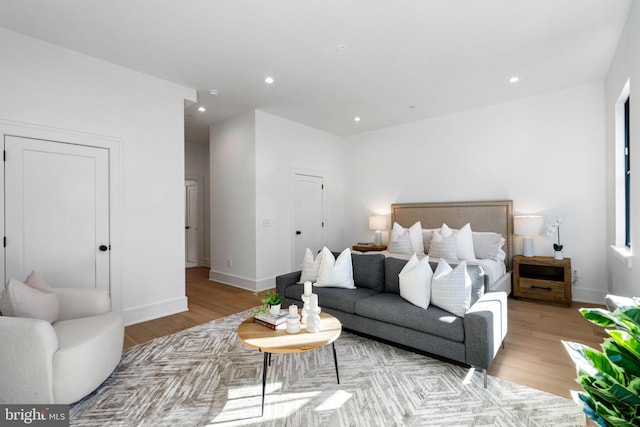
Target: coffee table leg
(335, 361)
(265, 365)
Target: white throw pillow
(415, 237)
(336, 273)
(415, 281)
(399, 242)
(310, 266)
(464, 240)
(451, 288)
(442, 247)
(21, 300)
(427, 236)
(486, 244)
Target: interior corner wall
(621, 279)
(282, 148)
(197, 167)
(233, 194)
(546, 153)
(45, 85)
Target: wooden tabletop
(280, 341)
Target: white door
(191, 223)
(308, 216)
(57, 212)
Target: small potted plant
(272, 302)
(553, 230)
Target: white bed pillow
(443, 247)
(310, 266)
(415, 238)
(335, 273)
(34, 300)
(399, 242)
(487, 244)
(464, 238)
(415, 281)
(427, 236)
(451, 288)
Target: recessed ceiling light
(514, 79)
(269, 80)
(356, 119)
(202, 109)
(214, 92)
(412, 107)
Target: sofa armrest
(485, 327)
(285, 280)
(80, 302)
(27, 347)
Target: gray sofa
(375, 308)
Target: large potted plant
(611, 378)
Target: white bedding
(493, 269)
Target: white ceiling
(440, 56)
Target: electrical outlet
(575, 273)
(229, 263)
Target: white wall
(626, 66)
(253, 158)
(197, 167)
(233, 195)
(282, 148)
(48, 86)
(546, 153)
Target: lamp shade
(527, 225)
(377, 222)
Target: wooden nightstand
(367, 248)
(542, 278)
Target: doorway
(191, 223)
(308, 216)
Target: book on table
(282, 325)
(273, 319)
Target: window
(627, 176)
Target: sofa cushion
(368, 271)
(391, 308)
(392, 268)
(336, 298)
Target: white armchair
(60, 363)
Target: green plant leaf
(588, 407)
(623, 350)
(632, 314)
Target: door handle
(187, 227)
(298, 232)
(104, 248)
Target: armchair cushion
(25, 300)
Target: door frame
(292, 224)
(114, 147)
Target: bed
(483, 216)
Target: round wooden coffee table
(279, 341)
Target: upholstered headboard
(495, 216)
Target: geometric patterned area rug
(204, 376)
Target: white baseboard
(242, 282)
(154, 311)
(588, 295)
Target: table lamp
(527, 226)
(378, 223)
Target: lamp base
(378, 238)
(527, 246)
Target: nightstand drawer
(546, 290)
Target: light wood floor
(533, 353)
